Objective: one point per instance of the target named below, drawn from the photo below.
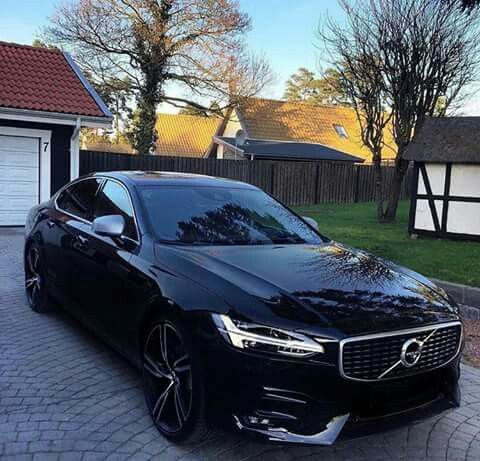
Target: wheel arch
(155, 308)
(29, 241)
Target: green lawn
(356, 225)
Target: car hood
(307, 287)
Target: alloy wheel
(168, 378)
(33, 276)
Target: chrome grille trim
(434, 343)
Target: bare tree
(152, 42)
(426, 52)
(361, 80)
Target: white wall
(436, 176)
(463, 217)
(423, 216)
(465, 180)
(231, 129)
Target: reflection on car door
(63, 233)
(107, 284)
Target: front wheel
(173, 383)
(35, 286)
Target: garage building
(44, 101)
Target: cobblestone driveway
(64, 395)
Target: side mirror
(311, 221)
(109, 226)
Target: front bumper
(309, 402)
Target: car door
(64, 236)
(107, 291)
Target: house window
(341, 131)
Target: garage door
(19, 178)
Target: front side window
(113, 199)
(220, 216)
(78, 198)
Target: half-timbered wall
(447, 200)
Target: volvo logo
(411, 352)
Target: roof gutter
(218, 140)
(58, 118)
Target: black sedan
(236, 308)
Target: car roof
(171, 178)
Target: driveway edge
(463, 294)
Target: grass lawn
(356, 225)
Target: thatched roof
(447, 139)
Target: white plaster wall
(231, 129)
(436, 177)
(423, 215)
(463, 218)
(465, 180)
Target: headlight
(261, 338)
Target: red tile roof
(42, 79)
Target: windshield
(219, 216)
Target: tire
(35, 283)
(174, 383)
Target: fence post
(272, 179)
(357, 183)
(317, 183)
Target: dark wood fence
(295, 183)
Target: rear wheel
(173, 383)
(35, 286)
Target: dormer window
(341, 131)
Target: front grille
(366, 358)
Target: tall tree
(305, 86)
(361, 81)
(426, 52)
(150, 43)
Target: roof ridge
(300, 103)
(200, 117)
(31, 47)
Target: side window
(114, 199)
(78, 198)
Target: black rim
(168, 378)
(33, 277)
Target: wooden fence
(295, 183)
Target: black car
(234, 307)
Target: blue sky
(283, 30)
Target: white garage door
(19, 178)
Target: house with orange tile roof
(185, 135)
(334, 130)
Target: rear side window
(78, 199)
(113, 199)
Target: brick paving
(64, 395)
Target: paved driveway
(64, 395)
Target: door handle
(83, 240)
